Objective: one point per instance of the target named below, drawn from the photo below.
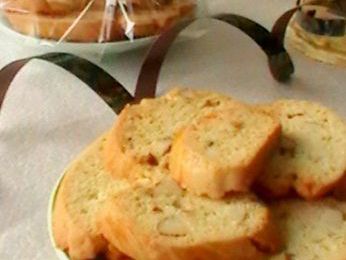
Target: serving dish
(60, 254)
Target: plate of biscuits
(92, 26)
(195, 174)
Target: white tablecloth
(49, 116)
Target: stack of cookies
(198, 175)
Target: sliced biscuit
(311, 158)
(312, 230)
(223, 150)
(163, 221)
(82, 193)
(143, 133)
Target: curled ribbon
(108, 88)
(280, 63)
(116, 95)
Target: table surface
(49, 116)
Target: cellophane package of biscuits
(319, 30)
(92, 21)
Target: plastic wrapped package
(319, 30)
(90, 21)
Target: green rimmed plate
(61, 254)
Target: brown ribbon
(109, 89)
(280, 26)
(7, 74)
(280, 63)
(116, 95)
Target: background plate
(73, 47)
(99, 48)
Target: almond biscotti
(158, 219)
(311, 158)
(223, 150)
(144, 132)
(312, 230)
(162, 221)
(81, 195)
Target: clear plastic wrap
(319, 30)
(52, 22)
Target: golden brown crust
(154, 223)
(240, 249)
(116, 161)
(340, 190)
(181, 105)
(198, 159)
(268, 239)
(139, 246)
(311, 157)
(71, 234)
(72, 230)
(113, 253)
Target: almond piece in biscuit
(163, 221)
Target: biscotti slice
(311, 158)
(312, 230)
(223, 150)
(152, 222)
(143, 132)
(81, 195)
